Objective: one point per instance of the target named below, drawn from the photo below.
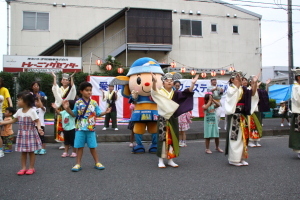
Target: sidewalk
(271, 128)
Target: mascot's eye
(138, 80)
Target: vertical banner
(102, 82)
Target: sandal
(73, 155)
(65, 155)
(21, 172)
(219, 150)
(208, 151)
(30, 172)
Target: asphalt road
(273, 173)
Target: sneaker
(116, 129)
(289, 124)
(262, 124)
(1, 153)
(8, 151)
(281, 124)
(184, 144)
(42, 152)
(181, 143)
(36, 152)
(62, 146)
(76, 168)
(99, 166)
(104, 129)
(73, 155)
(251, 144)
(64, 155)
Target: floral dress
(28, 139)
(184, 121)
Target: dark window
(235, 29)
(214, 28)
(190, 27)
(149, 26)
(35, 21)
(185, 27)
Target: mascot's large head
(139, 77)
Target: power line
(264, 3)
(99, 7)
(234, 4)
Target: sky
(273, 31)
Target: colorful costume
(61, 94)
(239, 104)
(168, 130)
(137, 87)
(294, 139)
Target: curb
(147, 137)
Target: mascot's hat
(145, 65)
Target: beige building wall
(211, 50)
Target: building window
(35, 21)
(235, 29)
(190, 27)
(214, 28)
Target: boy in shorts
(7, 132)
(85, 110)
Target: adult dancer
(294, 139)
(66, 92)
(170, 104)
(240, 102)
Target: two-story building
(196, 34)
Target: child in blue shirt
(68, 124)
(85, 110)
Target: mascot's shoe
(138, 149)
(172, 164)
(153, 148)
(161, 163)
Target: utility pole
(7, 51)
(290, 42)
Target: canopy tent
(280, 92)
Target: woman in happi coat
(294, 139)
(171, 104)
(66, 92)
(240, 102)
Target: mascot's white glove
(134, 94)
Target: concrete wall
(212, 50)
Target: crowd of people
(75, 118)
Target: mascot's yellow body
(137, 87)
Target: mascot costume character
(137, 86)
